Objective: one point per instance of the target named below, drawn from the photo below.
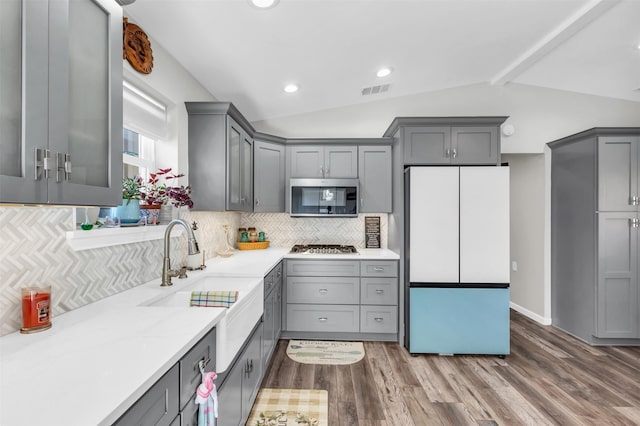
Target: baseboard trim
(529, 314)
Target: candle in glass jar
(36, 304)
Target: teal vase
(129, 211)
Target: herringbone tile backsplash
(34, 252)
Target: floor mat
(290, 407)
(323, 352)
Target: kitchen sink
(240, 318)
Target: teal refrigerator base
(459, 320)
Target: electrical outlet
(514, 266)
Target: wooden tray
(253, 246)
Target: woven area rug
(323, 352)
(290, 407)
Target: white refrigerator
(457, 258)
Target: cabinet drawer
(157, 407)
(379, 291)
(379, 268)
(378, 319)
(190, 376)
(331, 290)
(323, 268)
(344, 318)
(272, 278)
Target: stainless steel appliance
(457, 263)
(323, 197)
(323, 249)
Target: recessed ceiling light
(383, 72)
(291, 88)
(263, 4)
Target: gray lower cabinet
(272, 317)
(374, 174)
(241, 385)
(59, 109)
(595, 218)
(342, 296)
(268, 177)
(453, 140)
(158, 406)
(220, 157)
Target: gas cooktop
(323, 249)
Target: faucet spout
(192, 247)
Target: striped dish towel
(213, 299)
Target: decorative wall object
(136, 47)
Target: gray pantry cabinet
(450, 140)
(595, 218)
(268, 176)
(220, 157)
(374, 173)
(61, 124)
(323, 161)
(341, 299)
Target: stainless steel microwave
(323, 197)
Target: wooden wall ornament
(136, 47)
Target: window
(138, 154)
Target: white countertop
(96, 361)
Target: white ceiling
(333, 48)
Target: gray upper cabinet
(374, 173)
(268, 180)
(61, 124)
(220, 157)
(618, 177)
(449, 140)
(323, 161)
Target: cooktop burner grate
(323, 249)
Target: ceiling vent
(374, 90)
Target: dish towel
(207, 398)
(213, 299)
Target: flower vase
(129, 211)
(166, 214)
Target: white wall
(539, 115)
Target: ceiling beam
(569, 27)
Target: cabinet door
(278, 310)
(433, 224)
(190, 376)
(268, 328)
(484, 225)
(252, 363)
(306, 161)
(474, 145)
(340, 161)
(374, 173)
(158, 406)
(617, 294)
(85, 102)
(247, 173)
(427, 145)
(230, 397)
(618, 159)
(269, 180)
(235, 142)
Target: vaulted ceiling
(333, 48)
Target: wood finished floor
(550, 378)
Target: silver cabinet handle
(362, 201)
(63, 166)
(379, 291)
(378, 319)
(323, 291)
(322, 319)
(326, 172)
(378, 269)
(257, 201)
(634, 201)
(454, 153)
(321, 171)
(634, 223)
(447, 152)
(42, 159)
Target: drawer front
(379, 268)
(379, 291)
(344, 318)
(272, 278)
(157, 407)
(190, 376)
(268, 284)
(378, 319)
(323, 268)
(330, 290)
